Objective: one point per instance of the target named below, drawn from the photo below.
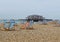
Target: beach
(40, 33)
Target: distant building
(35, 18)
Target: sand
(41, 33)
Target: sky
(19, 9)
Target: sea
(11, 21)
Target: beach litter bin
(9, 24)
(12, 23)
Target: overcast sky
(22, 8)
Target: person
(27, 24)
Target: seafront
(30, 30)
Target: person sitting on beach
(27, 24)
